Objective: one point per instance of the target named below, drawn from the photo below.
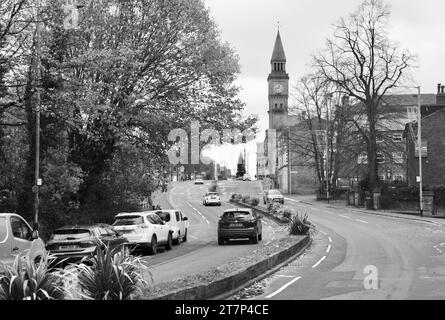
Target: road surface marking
(319, 262)
(283, 288)
(199, 213)
(438, 250)
(362, 221)
(442, 244)
(330, 239)
(284, 276)
(340, 215)
(328, 249)
(322, 232)
(193, 237)
(267, 243)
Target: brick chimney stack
(440, 97)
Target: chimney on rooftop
(440, 97)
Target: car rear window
(128, 221)
(71, 234)
(237, 215)
(165, 216)
(3, 229)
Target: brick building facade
(433, 144)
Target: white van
(177, 221)
(18, 238)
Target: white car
(145, 230)
(211, 198)
(177, 222)
(247, 177)
(18, 238)
(199, 181)
(271, 196)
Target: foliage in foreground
(26, 280)
(113, 275)
(300, 225)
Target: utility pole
(329, 99)
(36, 84)
(419, 143)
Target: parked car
(247, 177)
(144, 230)
(271, 196)
(18, 238)
(211, 198)
(239, 224)
(199, 181)
(178, 223)
(71, 244)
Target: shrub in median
(287, 213)
(26, 280)
(254, 201)
(246, 199)
(300, 225)
(273, 208)
(113, 275)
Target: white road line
(340, 215)
(284, 276)
(283, 288)
(193, 237)
(322, 232)
(362, 221)
(330, 239)
(293, 200)
(438, 250)
(442, 244)
(199, 213)
(319, 262)
(267, 243)
(328, 249)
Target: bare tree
(362, 61)
(316, 98)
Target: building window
(397, 157)
(399, 177)
(412, 113)
(397, 137)
(362, 159)
(380, 158)
(281, 106)
(382, 177)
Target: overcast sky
(250, 26)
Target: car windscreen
(71, 234)
(165, 216)
(241, 215)
(274, 193)
(211, 194)
(3, 229)
(128, 221)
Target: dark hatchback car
(239, 224)
(73, 243)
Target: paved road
(202, 252)
(407, 256)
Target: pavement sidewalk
(341, 205)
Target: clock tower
(278, 86)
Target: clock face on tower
(278, 88)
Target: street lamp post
(419, 143)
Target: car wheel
(221, 241)
(254, 239)
(178, 239)
(185, 236)
(169, 244)
(153, 249)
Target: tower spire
(278, 50)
